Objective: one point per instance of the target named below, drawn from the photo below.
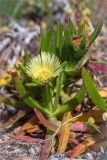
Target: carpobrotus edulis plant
(42, 82)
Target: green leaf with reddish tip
(92, 91)
(47, 123)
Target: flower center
(43, 74)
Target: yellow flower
(6, 75)
(43, 68)
(3, 82)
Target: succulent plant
(59, 60)
(42, 81)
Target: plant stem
(47, 95)
(58, 89)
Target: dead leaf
(47, 146)
(82, 147)
(30, 126)
(15, 118)
(27, 138)
(64, 132)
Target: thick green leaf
(71, 104)
(47, 40)
(52, 48)
(67, 36)
(83, 43)
(68, 50)
(92, 91)
(82, 61)
(22, 69)
(70, 70)
(82, 28)
(72, 28)
(11, 102)
(96, 32)
(79, 54)
(58, 35)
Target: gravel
(13, 149)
